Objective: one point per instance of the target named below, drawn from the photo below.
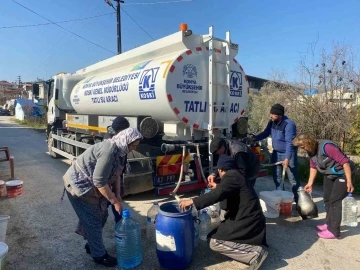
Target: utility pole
(19, 81)
(118, 20)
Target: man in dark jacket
(247, 162)
(242, 235)
(282, 131)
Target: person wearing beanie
(119, 124)
(248, 164)
(242, 235)
(282, 131)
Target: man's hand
(211, 178)
(185, 203)
(286, 163)
(212, 185)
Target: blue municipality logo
(147, 83)
(190, 71)
(236, 84)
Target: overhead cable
(63, 27)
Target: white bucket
(3, 252)
(286, 196)
(270, 204)
(4, 219)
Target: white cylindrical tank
(174, 87)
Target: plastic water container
(195, 215)
(270, 204)
(287, 199)
(205, 225)
(213, 211)
(174, 236)
(4, 219)
(150, 221)
(349, 211)
(128, 242)
(3, 252)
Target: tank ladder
(215, 87)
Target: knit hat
(226, 162)
(277, 109)
(120, 123)
(216, 144)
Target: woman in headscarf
(87, 183)
(327, 158)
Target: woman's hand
(118, 207)
(350, 187)
(185, 203)
(308, 188)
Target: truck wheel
(50, 145)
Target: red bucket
(14, 188)
(285, 208)
(2, 183)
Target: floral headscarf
(124, 138)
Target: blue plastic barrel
(174, 236)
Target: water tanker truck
(180, 91)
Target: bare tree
(326, 114)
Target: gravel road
(41, 229)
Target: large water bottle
(195, 215)
(150, 221)
(349, 211)
(205, 225)
(128, 242)
(213, 211)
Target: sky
(272, 34)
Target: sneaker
(255, 264)
(321, 228)
(106, 260)
(326, 235)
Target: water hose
(200, 165)
(173, 193)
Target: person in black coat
(242, 235)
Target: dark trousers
(291, 171)
(92, 219)
(335, 191)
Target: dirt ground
(41, 234)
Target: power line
(63, 27)
(156, 3)
(137, 24)
(40, 24)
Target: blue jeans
(291, 171)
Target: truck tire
(50, 145)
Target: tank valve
(167, 147)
